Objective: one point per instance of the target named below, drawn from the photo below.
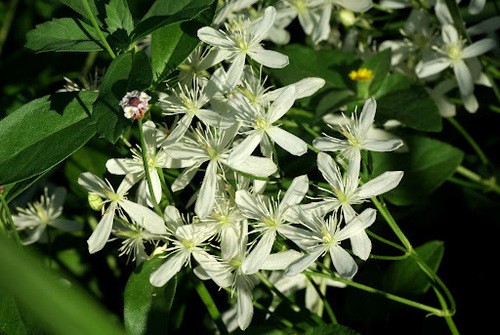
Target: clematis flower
(134, 167)
(322, 235)
(270, 218)
(357, 134)
(188, 239)
(241, 39)
(346, 192)
(453, 54)
(212, 146)
(44, 213)
(262, 128)
(116, 203)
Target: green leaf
(172, 44)
(147, 307)
(165, 12)
(406, 277)
(305, 62)
(118, 16)
(129, 71)
(11, 321)
(380, 64)
(405, 100)
(44, 132)
(59, 306)
(79, 7)
(426, 166)
(64, 34)
(331, 329)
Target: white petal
(101, 233)
(288, 141)
(34, 235)
(93, 184)
(168, 269)
(248, 204)
(219, 272)
(184, 178)
(280, 260)
(356, 5)
(343, 262)
(357, 225)
(476, 6)
(269, 58)
(296, 192)
(214, 37)
(426, 69)
(382, 146)
(121, 166)
(464, 78)
(215, 119)
(245, 306)
(478, 48)
(367, 115)
(245, 148)
(235, 70)
(449, 34)
(304, 262)
(361, 245)
(172, 217)
(259, 253)
(256, 166)
(381, 184)
(262, 26)
(282, 104)
(206, 196)
(144, 217)
(470, 103)
(179, 130)
(329, 170)
(330, 144)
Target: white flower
(191, 101)
(188, 239)
(262, 129)
(345, 191)
(270, 218)
(135, 104)
(230, 272)
(40, 214)
(212, 146)
(357, 134)
(134, 167)
(453, 53)
(244, 39)
(133, 239)
(325, 235)
(116, 202)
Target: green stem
(11, 226)
(325, 303)
(211, 306)
(405, 301)
(382, 208)
(490, 184)
(7, 23)
(448, 318)
(99, 32)
(144, 155)
(469, 139)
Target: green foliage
(407, 278)
(61, 308)
(146, 307)
(129, 71)
(43, 133)
(66, 34)
(426, 165)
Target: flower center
(269, 221)
(454, 52)
(327, 237)
(361, 74)
(261, 123)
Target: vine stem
(211, 306)
(7, 23)
(144, 155)
(11, 226)
(490, 184)
(99, 32)
(469, 139)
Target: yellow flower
(361, 74)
